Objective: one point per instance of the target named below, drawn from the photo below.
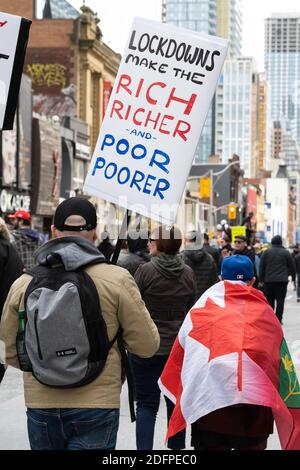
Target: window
(79, 173)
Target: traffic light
(205, 188)
(232, 211)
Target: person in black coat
(276, 265)
(11, 267)
(168, 289)
(105, 246)
(209, 249)
(297, 263)
(241, 248)
(201, 262)
(138, 252)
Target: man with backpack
(71, 314)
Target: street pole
(122, 236)
(211, 199)
(211, 195)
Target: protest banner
(236, 231)
(159, 103)
(14, 33)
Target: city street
(164, 137)
(13, 433)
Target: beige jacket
(121, 305)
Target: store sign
(155, 115)
(83, 151)
(14, 32)
(252, 201)
(12, 202)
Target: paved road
(13, 433)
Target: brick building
(72, 73)
(71, 68)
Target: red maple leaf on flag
(242, 325)
(232, 319)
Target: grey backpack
(65, 337)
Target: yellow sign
(236, 231)
(204, 188)
(232, 211)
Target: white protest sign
(9, 33)
(159, 103)
(14, 32)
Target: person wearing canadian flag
(230, 373)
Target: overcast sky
(116, 17)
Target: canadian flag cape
(230, 350)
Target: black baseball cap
(75, 206)
(241, 237)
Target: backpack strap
(128, 372)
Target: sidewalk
(13, 433)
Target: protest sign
(14, 32)
(236, 231)
(159, 103)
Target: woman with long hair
(168, 289)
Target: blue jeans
(146, 374)
(72, 429)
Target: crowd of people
(144, 303)
(273, 264)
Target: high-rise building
(277, 140)
(198, 15)
(56, 9)
(291, 150)
(246, 123)
(282, 63)
(239, 129)
(264, 126)
(261, 125)
(254, 138)
(216, 17)
(229, 25)
(220, 17)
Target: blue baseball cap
(237, 268)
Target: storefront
(11, 201)
(46, 171)
(76, 155)
(15, 156)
